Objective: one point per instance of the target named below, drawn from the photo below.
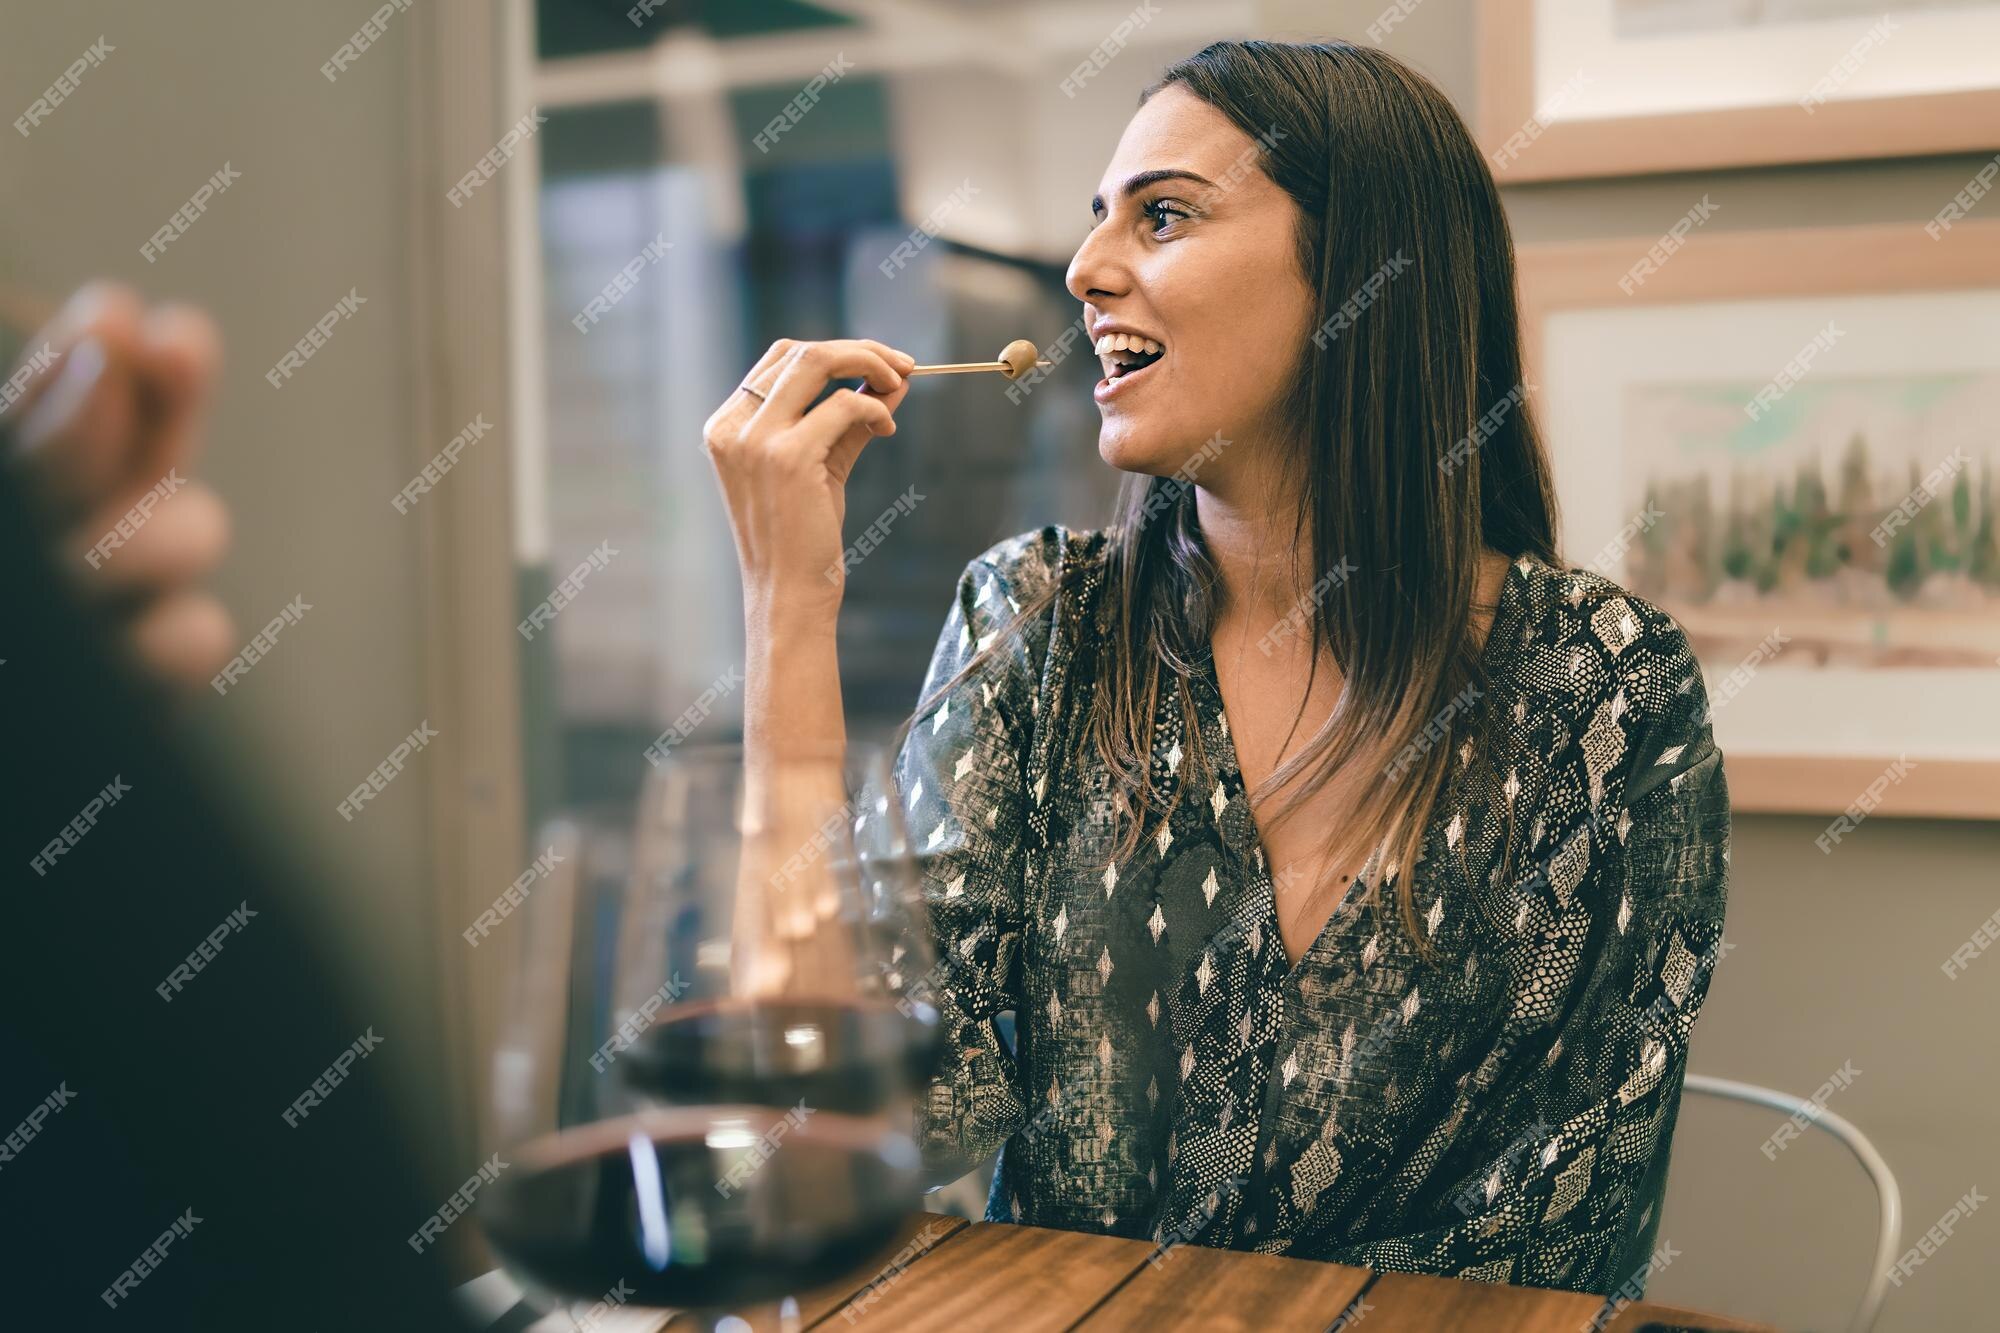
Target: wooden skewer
(1016, 359)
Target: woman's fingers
(736, 410)
(805, 372)
(901, 360)
(848, 446)
(843, 411)
(792, 374)
(782, 461)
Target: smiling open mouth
(1126, 354)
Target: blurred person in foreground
(167, 995)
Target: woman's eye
(1159, 210)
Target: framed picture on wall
(1790, 441)
(1577, 88)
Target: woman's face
(1201, 260)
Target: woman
(1352, 870)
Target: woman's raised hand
(783, 469)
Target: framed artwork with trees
(1790, 441)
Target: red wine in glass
(662, 1202)
(853, 1057)
(777, 898)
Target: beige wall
(1838, 956)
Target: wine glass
(716, 1028)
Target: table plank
(996, 1274)
(1410, 1301)
(1635, 1317)
(941, 1275)
(1199, 1287)
(919, 1234)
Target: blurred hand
(107, 426)
(783, 470)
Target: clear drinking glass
(714, 1033)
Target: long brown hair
(1415, 452)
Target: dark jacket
(148, 1177)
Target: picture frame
(1578, 95)
(1885, 693)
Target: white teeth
(1117, 349)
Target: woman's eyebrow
(1145, 178)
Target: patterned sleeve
(961, 775)
(1589, 1195)
(1572, 1201)
(1594, 1201)
(1672, 888)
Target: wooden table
(959, 1277)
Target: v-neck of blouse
(1246, 842)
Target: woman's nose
(1096, 269)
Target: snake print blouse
(1501, 1111)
